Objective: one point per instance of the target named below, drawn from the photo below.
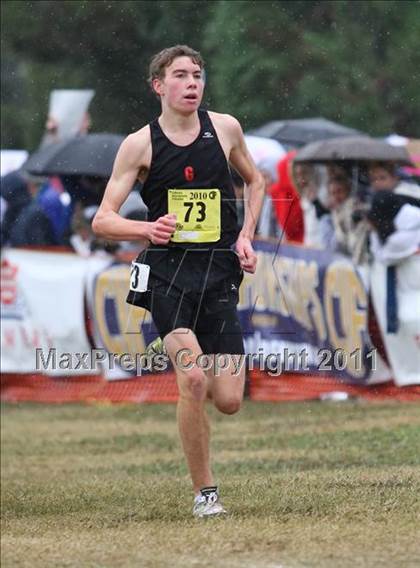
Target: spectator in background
(88, 190)
(339, 230)
(267, 226)
(383, 176)
(48, 205)
(83, 241)
(338, 192)
(341, 206)
(286, 201)
(296, 202)
(32, 226)
(79, 192)
(308, 184)
(56, 204)
(82, 237)
(51, 135)
(384, 216)
(395, 240)
(55, 197)
(16, 195)
(389, 195)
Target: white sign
(403, 347)
(42, 318)
(68, 108)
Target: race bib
(197, 215)
(139, 277)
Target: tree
(355, 62)
(83, 44)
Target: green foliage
(356, 62)
(350, 61)
(83, 44)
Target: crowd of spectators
(338, 207)
(343, 208)
(57, 211)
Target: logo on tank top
(189, 173)
(207, 134)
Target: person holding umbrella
(383, 176)
(190, 274)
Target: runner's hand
(162, 230)
(246, 254)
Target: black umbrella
(353, 149)
(299, 132)
(90, 155)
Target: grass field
(306, 484)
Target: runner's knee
(193, 384)
(230, 405)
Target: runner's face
(183, 85)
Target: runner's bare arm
(107, 222)
(243, 163)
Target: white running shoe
(208, 504)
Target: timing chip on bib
(198, 217)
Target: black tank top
(200, 165)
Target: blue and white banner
(304, 311)
(310, 308)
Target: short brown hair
(164, 58)
(389, 167)
(340, 180)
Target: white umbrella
(265, 152)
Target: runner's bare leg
(226, 385)
(192, 417)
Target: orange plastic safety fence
(304, 387)
(162, 388)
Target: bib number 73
(201, 213)
(198, 214)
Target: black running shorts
(197, 290)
